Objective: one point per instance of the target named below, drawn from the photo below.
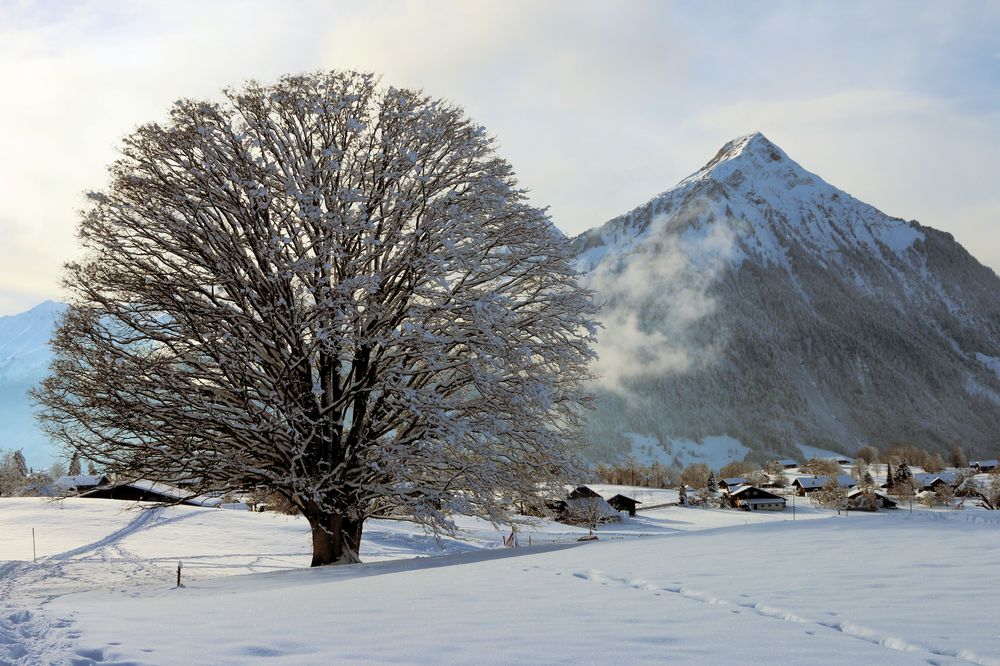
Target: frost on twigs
(330, 290)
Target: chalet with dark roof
(752, 498)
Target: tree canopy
(327, 288)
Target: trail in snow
(28, 637)
(847, 629)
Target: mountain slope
(24, 362)
(757, 301)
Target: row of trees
(17, 479)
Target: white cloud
(599, 106)
(654, 299)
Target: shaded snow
(103, 590)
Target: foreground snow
(672, 585)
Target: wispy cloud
(656, 296)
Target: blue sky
(599, 106)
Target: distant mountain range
(758, 306)
(24, 361)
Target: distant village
(838, 483)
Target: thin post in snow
(34, 551)
(180, 565)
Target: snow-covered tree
(74, 464)
(13, 472)
(902, 482)
(330, 289)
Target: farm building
(623, 503)
(148, 491)
(869, 500)
(984, 465)
(787, 463)
(925, 481)
(731, 482)
(79, 483)
(583, 492)
(808, 484)
(752, 498)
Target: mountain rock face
(755, 301)
(24, 362)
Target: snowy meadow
(671, 585)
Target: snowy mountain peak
(756, 301)
(754, 146)
(753, 162)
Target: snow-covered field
(672, 585)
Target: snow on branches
(330, 289)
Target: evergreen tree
(903, 474)
(683, 496)
(19, 464)
(91, 468)
(712, 485)
(889, 477)
(868, 481)
(74, 465)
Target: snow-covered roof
(786, 462)
(79, 481)
(984, 463)
(743, 489)
(844, 480)
(170, 492)
(733, 480)
(857, 491)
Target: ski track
(28, 637)
(848, 629)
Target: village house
(728, 484)
(860, 499)
(808, 484)
(982, 466)
(79, 483)
(752, 498)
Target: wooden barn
(623, 503)
(787, 463)
(752, 498)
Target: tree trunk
(336, 539)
